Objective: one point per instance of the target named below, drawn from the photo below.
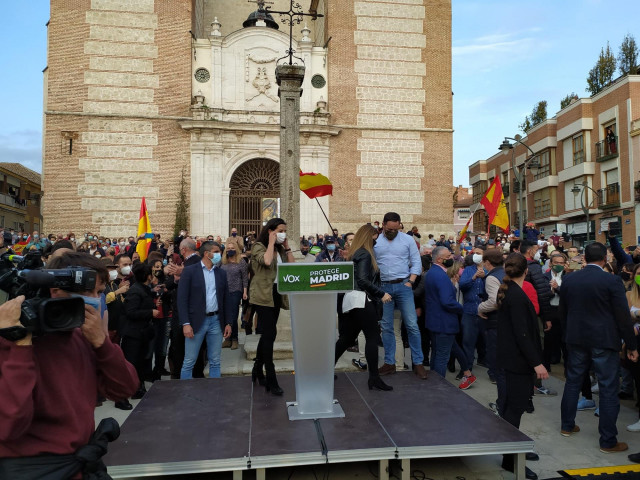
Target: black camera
(41, 314)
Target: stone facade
(128, 108)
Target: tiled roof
(22, 171)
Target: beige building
(573, 149)
(20, 194)
(136, 93)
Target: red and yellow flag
(315, 185)
(493, 203)
(463, 232)
(144, 228)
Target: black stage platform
(209, 425)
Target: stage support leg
(405, 464)
(383, 473)
(519, 466)
(261, 474)
(237, 475)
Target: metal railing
(606, 150)
(12, 202)
(610, 196)
(505, 189)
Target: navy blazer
(192, 302)
(594, 310)
(440, 304)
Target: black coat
(519, 349)
(541, 284)
(367, 278)
(138, 306)
(594, 310)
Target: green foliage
(567, 100)
(628, 55)
(538, 115)
(182, 208)
(601, 75)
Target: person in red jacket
(49, 383)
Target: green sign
(315, 277)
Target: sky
(507, 56)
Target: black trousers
(360, 319)
(135, 350)
(518, 391)
(267, 323)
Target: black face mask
(448, 263)
(390, 235)
(626, 276)
(231, 253)
(304, 252)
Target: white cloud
(22, 146)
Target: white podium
(313, 296)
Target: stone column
(289, 78)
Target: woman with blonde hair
(364, 303)
(238, 279)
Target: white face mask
(122, 244)
(281, 237)
(98, 256)
(536, 257)
(113, 274)
(73, 239)
(125, 270)
(477, 258)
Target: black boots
(378, 384)
(257, 374)
(271, 380)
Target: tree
(628, 56)
(566, 101)
(538, 115)
(182, 208)
(601, 75)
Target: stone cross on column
(289, 78)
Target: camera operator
(49, 382)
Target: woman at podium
(363, 306)
(271, 248)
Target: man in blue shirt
(399, 262)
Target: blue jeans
(472, 328)
(401, 299)
(234, 305)
(211, 330)
(605, 364)
(441, 344)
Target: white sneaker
(635, 427)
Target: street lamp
(577, 189)
(519, 173)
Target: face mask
(125, 271)
(91, 301)
(536, 257)
(113, 274)
(637, 279)
(24, 237)
(157, 273)
(304, 252)
(36, 237)
(231, 253)
(90, 237)
(216, 258)
(477, 258)
(448, 263)
(98, 256)
(558, 268)
(390, 235)
(626, 276)
(234, 234)
(73, 239)
(281, 237)
(122, 244)
(331, 247)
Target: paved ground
(556, 452)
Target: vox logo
(291, 278)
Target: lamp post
(519, 173)
(577, 189)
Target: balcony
(12, 202)
(609, 197)
(516, 186)
(505, 189)
(606, 151)
(636, 189)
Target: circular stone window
(202, 75)
(318, 81)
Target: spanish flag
(493, 203)
(463, 232)
(315, 185)
(144, 228)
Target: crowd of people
(516, 306)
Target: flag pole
(325, 215)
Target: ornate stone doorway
(254, 195)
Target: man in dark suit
(204, 309)
(594, 310)
(441, 309)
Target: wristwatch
(411, 282)
(13, 334)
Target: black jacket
(518, 349)
(367, 278)
(138, 306)
(541, 284)
(594, 310)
